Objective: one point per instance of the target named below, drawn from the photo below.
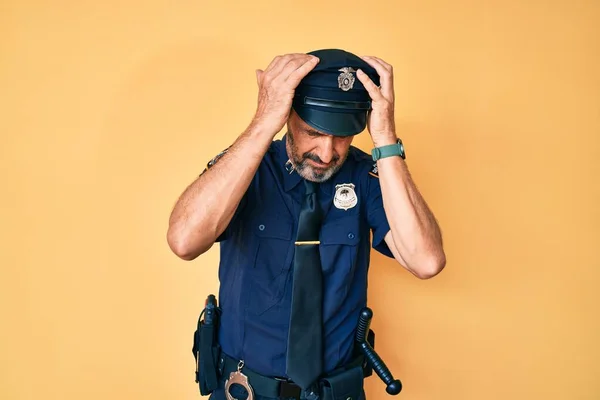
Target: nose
(326, 149)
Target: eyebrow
(314, 132)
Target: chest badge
(345, 196)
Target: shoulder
(214, 160)
(272, 152)
(364, 162)
(275, 147)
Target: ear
(259, 76)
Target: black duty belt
(267, 386)
(262, 385)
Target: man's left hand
(380, 121)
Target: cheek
(342, 146)
(304, 147)
(309, 145)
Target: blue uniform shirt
(257, 252)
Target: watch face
(401, 146)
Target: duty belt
(267, 386)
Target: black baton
(394, 386)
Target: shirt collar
(291, 180)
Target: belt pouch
(346, 385)
(206, 352)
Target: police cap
(331, 98)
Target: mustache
(316, 158)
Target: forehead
(299, 124)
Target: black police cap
(331, 98)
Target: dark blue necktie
(305, 340)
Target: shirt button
(261, 227)
(351, 235)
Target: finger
(385, 76)
(259, 74)
(294, 64)
(275, 69)
(273, 63)
(379, 66)
(372, 89)
(282, 62)
(383, 63)
(295, 77)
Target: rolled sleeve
(376, 217)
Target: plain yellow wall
(109, 109)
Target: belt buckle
(288, 389)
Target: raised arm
(205, 208)
(415, 238)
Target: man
(294, 219)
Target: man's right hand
(206, 207)
(277, 85)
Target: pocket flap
(272, 227)
(344, 230)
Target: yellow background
(109, 109)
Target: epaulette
(374, 171)
(363, 158)
(214, 160)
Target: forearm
(206, 207)
(414, 229)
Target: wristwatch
(396, 149)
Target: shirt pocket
(344, 230)
(339, 249)
(273, 237)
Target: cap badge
(345, 196)
(346, 79)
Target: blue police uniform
(257, 248)
(257, 251)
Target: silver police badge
(346, 79)
(345, 196)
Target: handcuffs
(239, 378)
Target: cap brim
(333, 123)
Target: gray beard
(305, 170)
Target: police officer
(294, 218)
